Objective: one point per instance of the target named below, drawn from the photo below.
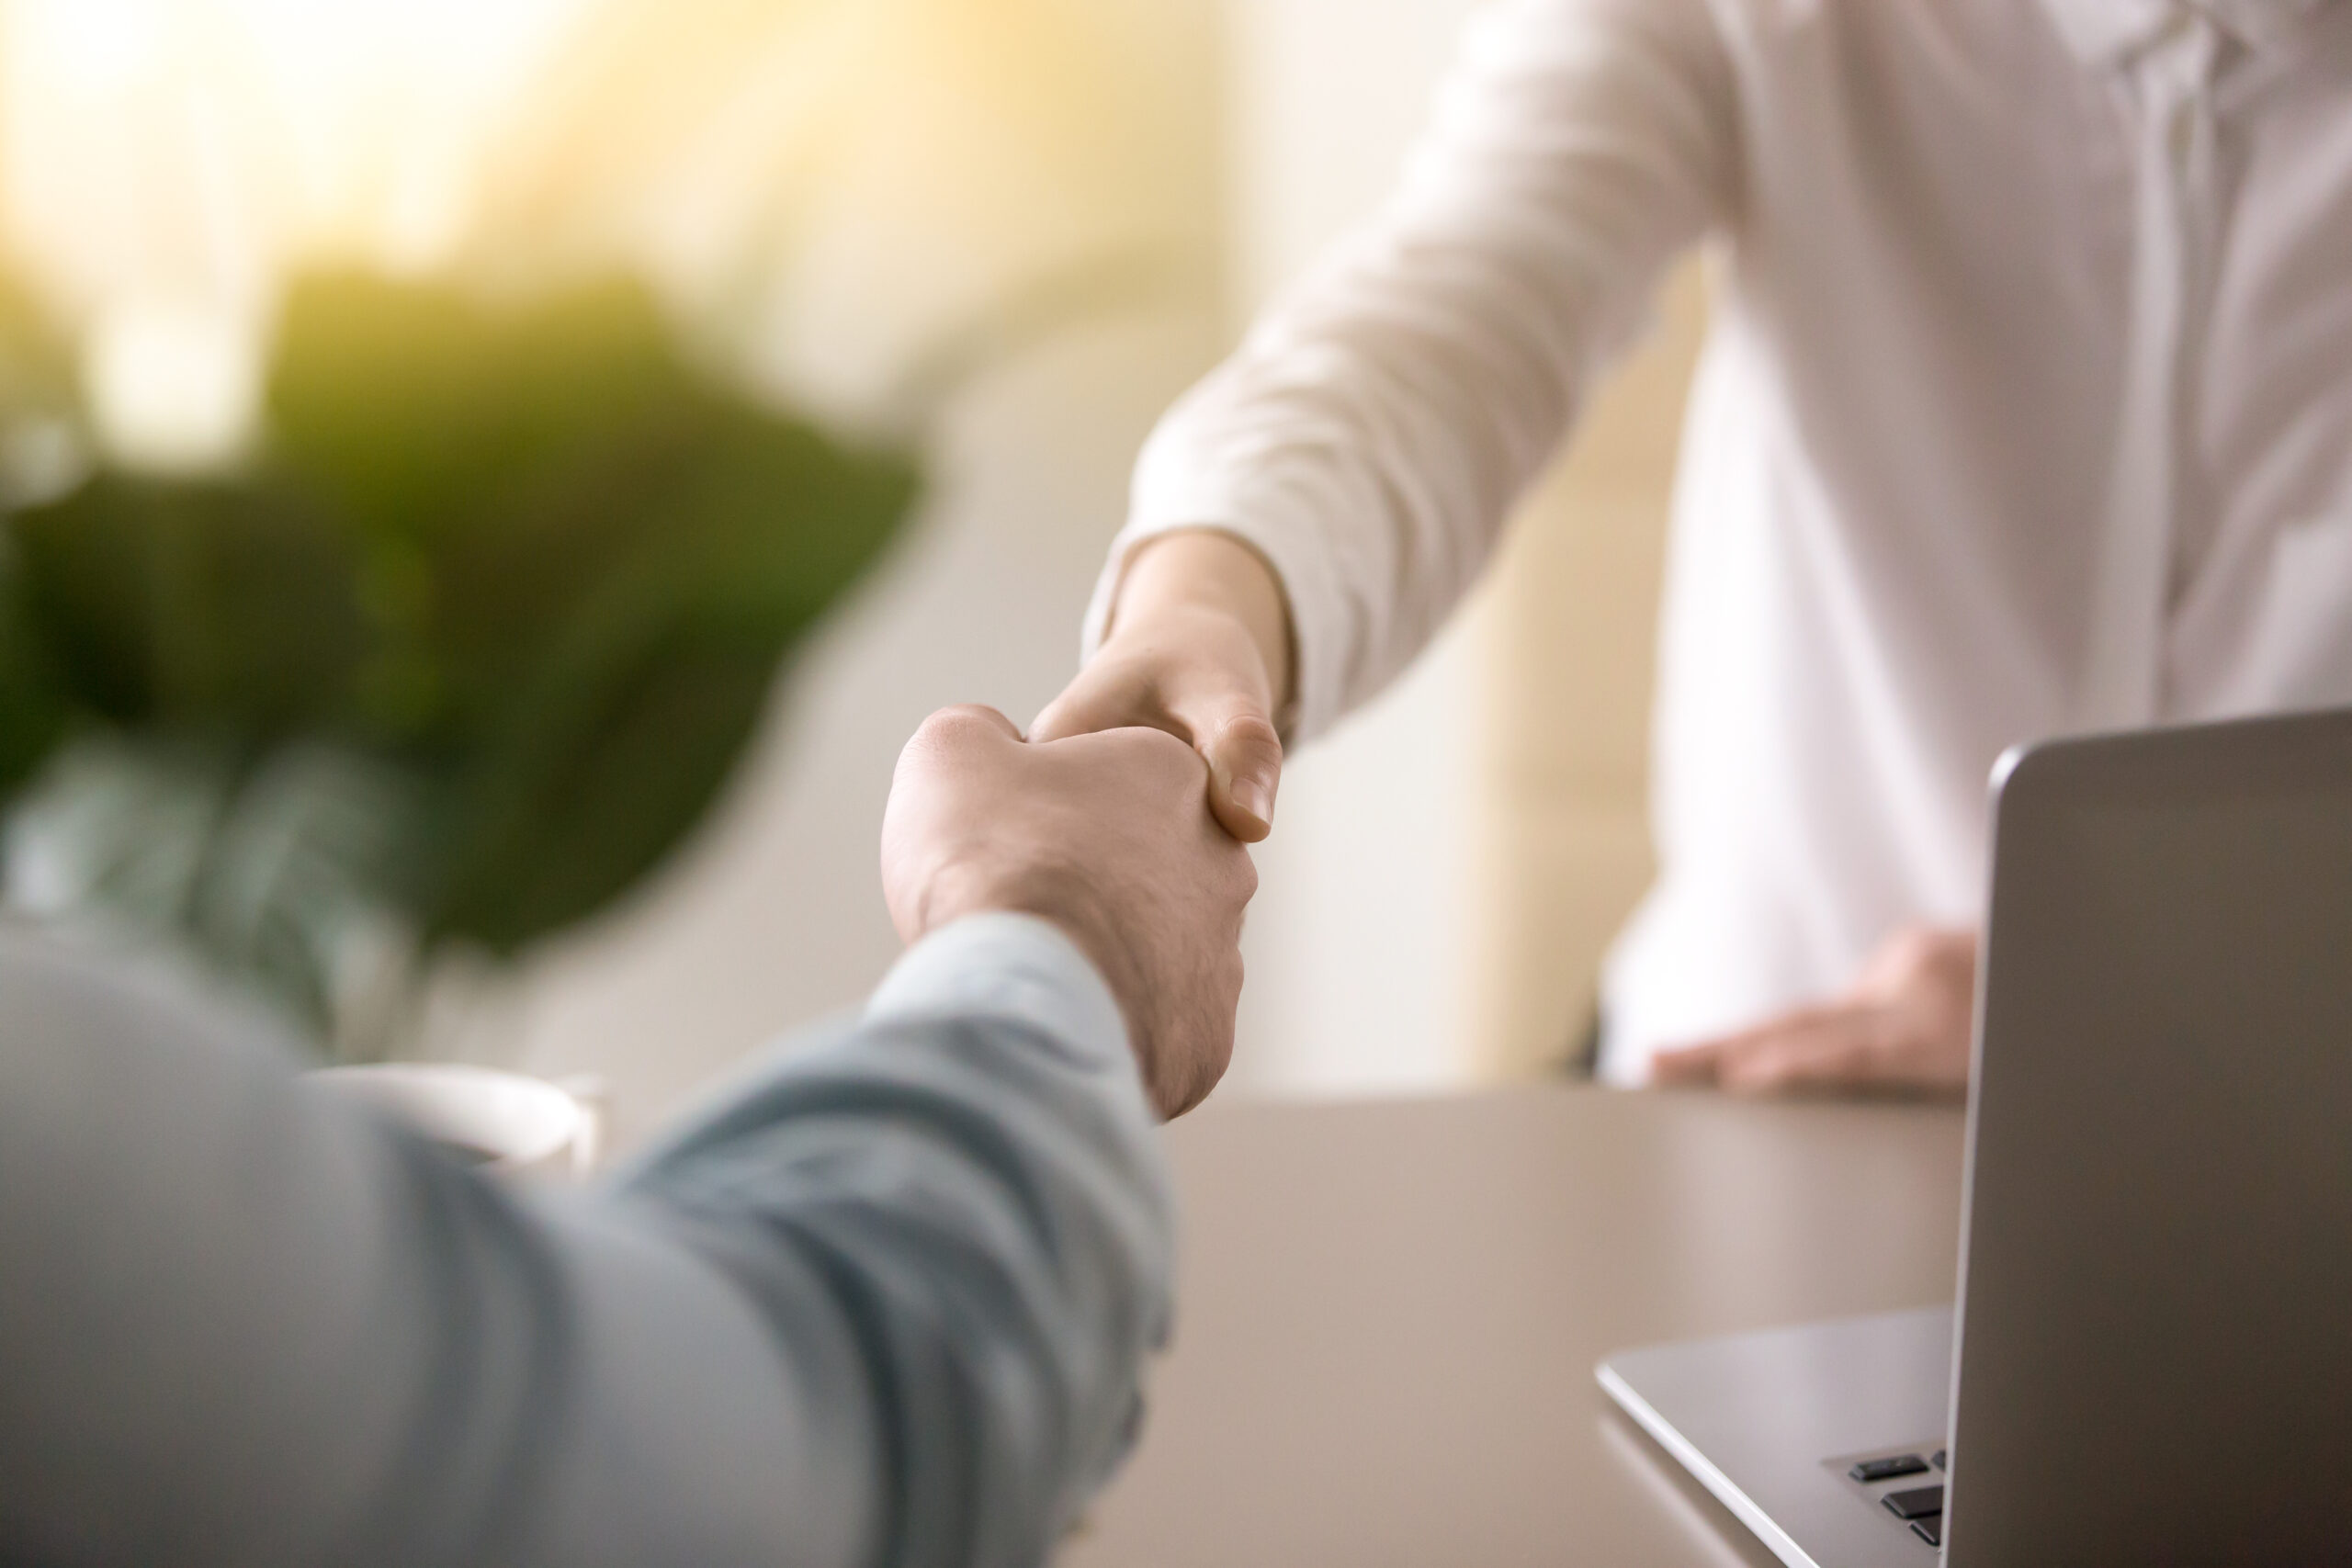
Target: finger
(955, 729)
(1230, 729)
(979, 713)
(1701, 1063)
(1686, 1066)
(1245, 759)
(1820, 1050)
(948, 737)
(1103, 699)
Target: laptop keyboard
(1916, 1503)
(1919, 1507)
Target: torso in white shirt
(2028, 409)
(1902, 461)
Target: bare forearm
(1371, 437)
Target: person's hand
(1109, 837)
(1199, 646)
(1905, 1025)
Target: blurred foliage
(466, 650)
(36, 363)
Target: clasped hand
(1199, 649)
(1108, 836)
(1906, 1024)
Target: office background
(843, 182)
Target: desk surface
(1389, 1314)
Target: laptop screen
(2155, 1317)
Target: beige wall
(1354, 944)
(1565, 636)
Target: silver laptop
(2150, 1359)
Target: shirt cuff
(1017, 967)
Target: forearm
(975, 1167)
(1372, 433)
(885, 1304)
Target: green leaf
(468, 653)
(420, 410)
(228, 609)
(588, 564)
(600, 750)
(563, 816)
(34, 712)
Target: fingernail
(1252, 795)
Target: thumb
(951, 734)
(1102, 697)
(1685, 1065)
(979, 713)
(1244, 758)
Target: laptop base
(1774, 1424)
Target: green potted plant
(462, 651)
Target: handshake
(1107, 835)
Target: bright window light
(174, 388)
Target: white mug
(507, 1124)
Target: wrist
(1006, 965)
(1199, 635)
(1197, 577)
(1057, 894)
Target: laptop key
(1915, 1503)
(1930, 1529)
(1888, 1469)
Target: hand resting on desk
(1905, 1024)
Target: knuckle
(1917, 951)
(1252, 728)
(1245, 874)
(1167, 759)
(958, 728)
(956, 718)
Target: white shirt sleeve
(1378, 426)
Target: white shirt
(2026, 409)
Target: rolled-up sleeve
(886, 1302)
(1378, 425)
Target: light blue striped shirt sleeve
(1015, 967)
(886, 1302)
